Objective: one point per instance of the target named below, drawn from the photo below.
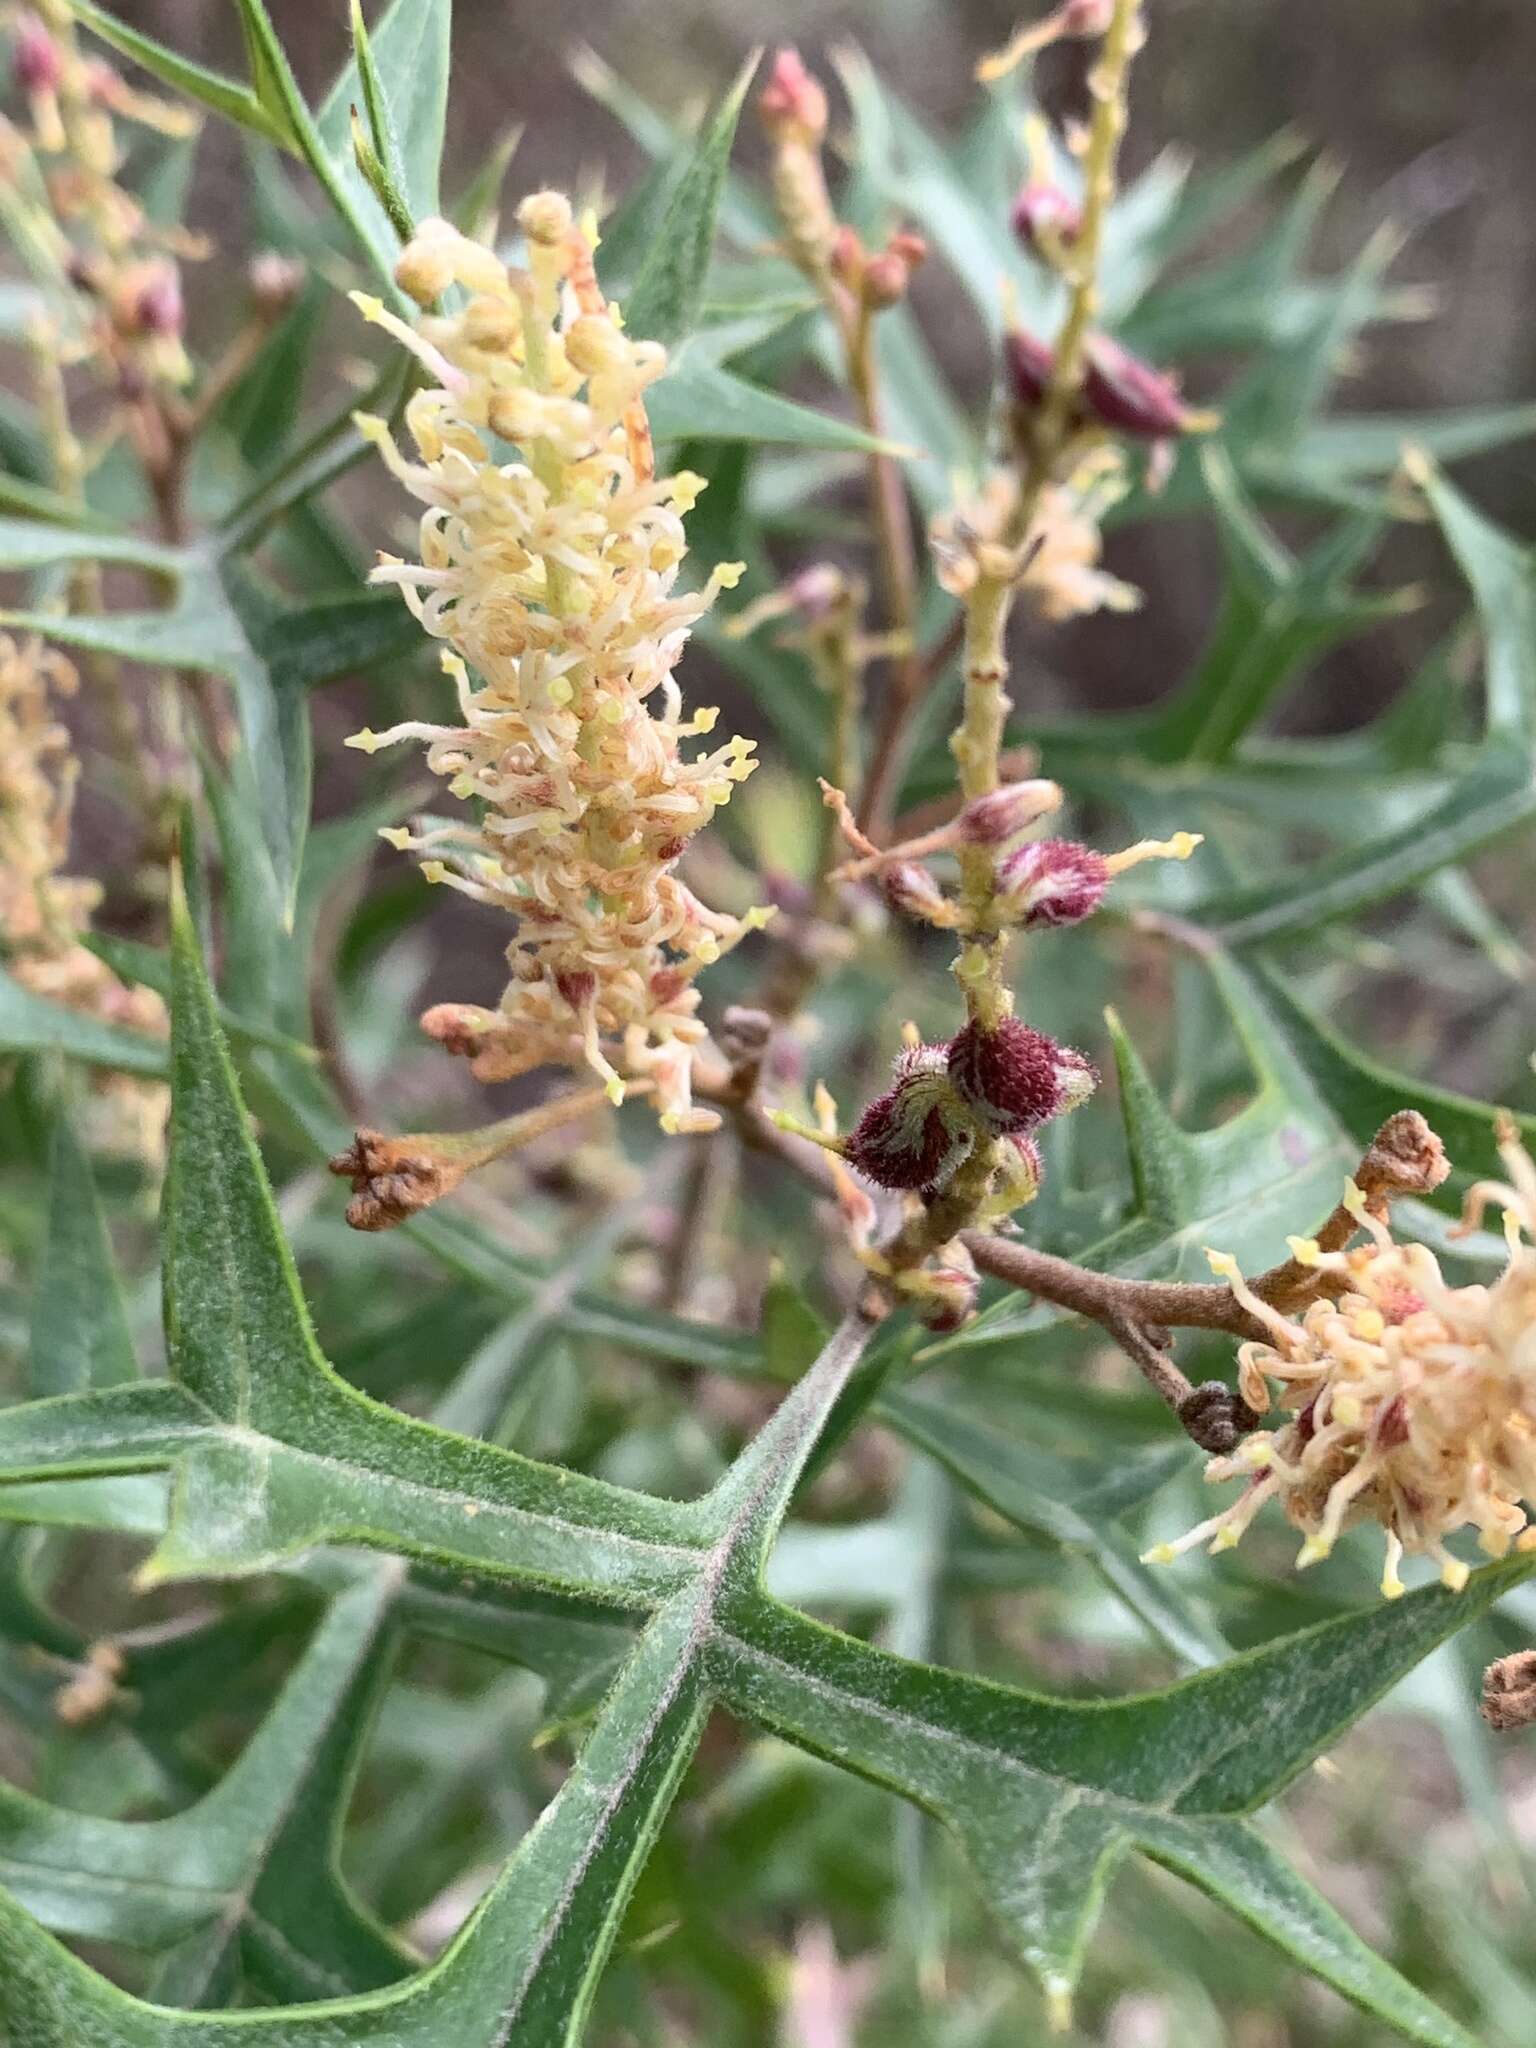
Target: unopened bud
(917, 1133)
(1002, 814)
(885, 280)
(1051, 881)
(846, 257)
(459, 1028)
(545, 217)
(792, 105)
(1012, 1077)
(393, 1178)
(1045, 218)
(946, 1298)
(156, 306)
(816, 590)
(1029, 363)
(909, 888)
(35, 60)
(1128, 396)
(274, 281)
(1087, 17)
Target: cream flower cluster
(44, 913)
(1413, 1403)
(550, 552)
(1057, 569)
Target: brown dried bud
(1509, 1692)
(792, 105)
(1215, 1417)
(393, 1178)
(1012, 1077)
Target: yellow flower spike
(560, 692)
(707, 949)
(1179, 847)
(372, 428)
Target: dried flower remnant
(1509, 1692)
(1413, 1403)
(551, 577)
(46, 913)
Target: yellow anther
(396, 835)
(1454, 1574)
(434, 871)
(1313, 1551)
(366, 741)
(1306, 1251)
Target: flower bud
(846, 257)
(545, 217)
(917, 1133)
(792, 105)
(1087, 17)
(1051, 881)
(1129, 397)
(35, 61)
(156, 307)
(1029, 363)
(910, 889)
(459, 1028)
(1011, 1076)
(946, 1298)
(1045, 218)
(887, 275)
(1002, 814)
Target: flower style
(44, 913)
(1413, 1403)
(548, 567)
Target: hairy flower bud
(917, 1133)
(946, 1299)
(1045, 218)
(910, 889)
(156, 305)
(792, 105)
(1129, 397)
(1002, 814)
(1011, 1076)
(1051, 881)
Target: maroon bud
(1046, 218)
(885, 280)
(1087, 17)
(916, 1134)
(846, 257)
(815, 590)
(787, 893)
(157, 307)
(1051, 881)
(1029, 364)
(1306, 1421)
(1002, 814)
(1128, 396)
(35, 61)
(947, 1300)
(792, 105)
(1011, 1076)
(665, 985)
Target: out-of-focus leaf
(80, 1335)
(211, 89)
(34, 1023)
(697, 399)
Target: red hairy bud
(792, 105)
(1051, 881)
(908, 887)
(1029, 363)
(1011, 1076)
(916, 1134)
(1044, 215)
(35, 58)
(1128, 396)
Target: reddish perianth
(1051, 882)
(157, 306)
(948, 1299)
(792, 103)
(916, 1134)
(1012, 1077)
(577, 986)
(459, 1028)
(1029, 363)
(35, 60)
(1046, 218)
(1002, 814)
(908, 887)
(1128, 396)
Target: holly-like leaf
(80, 1334)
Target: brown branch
(1405, 1157)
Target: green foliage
(677, 1533)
